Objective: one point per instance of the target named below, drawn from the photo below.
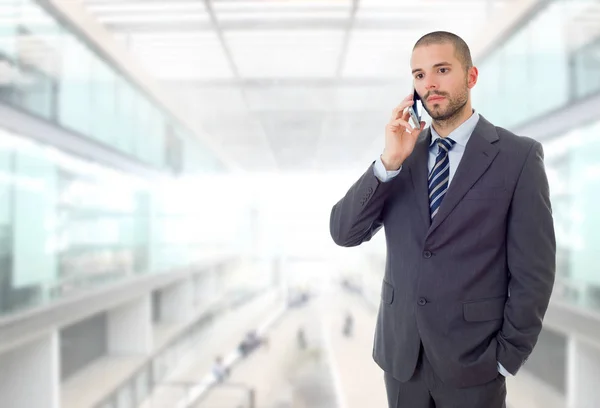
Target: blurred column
(583, 374)
(177, 301)
(30, 374)
(130, 327)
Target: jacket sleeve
(531, 258)
(357, 217)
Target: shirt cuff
(503, 370)
(381, 173)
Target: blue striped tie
(440, 175)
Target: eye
(444, 70)
(419, 76)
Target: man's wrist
(391, 164)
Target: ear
(472, 75)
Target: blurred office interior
(167, 170)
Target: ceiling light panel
(122, 7)
(430, 4)
(284, 15)
(431, 13)
(236, 6)
(181, 55)
(285, 54)
(199, 17)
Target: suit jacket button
(422, 301)
(427, 254)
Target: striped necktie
(440, 175)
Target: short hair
(461, 49)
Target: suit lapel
(418, 171)
(479, 154)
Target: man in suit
(470, 241)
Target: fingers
(406, 102)
(398, 123)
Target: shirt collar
(462, 133)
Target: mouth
(435, 98)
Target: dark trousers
(426, 390)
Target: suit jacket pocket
(387, 293)
(484, 309)
(485, 193)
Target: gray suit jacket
(473, 285)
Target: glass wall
(551, 60)
(574, 173)
(49, 71)
(68, 224)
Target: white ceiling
(287, 85)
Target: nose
(431, 85)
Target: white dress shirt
(460, 135)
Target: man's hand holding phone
(400, 136)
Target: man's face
(441, 80)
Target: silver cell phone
(414, 119)
(414, 112)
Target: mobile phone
(414, 112)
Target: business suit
(468, 289)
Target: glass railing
(49, 71)
(67, 225)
